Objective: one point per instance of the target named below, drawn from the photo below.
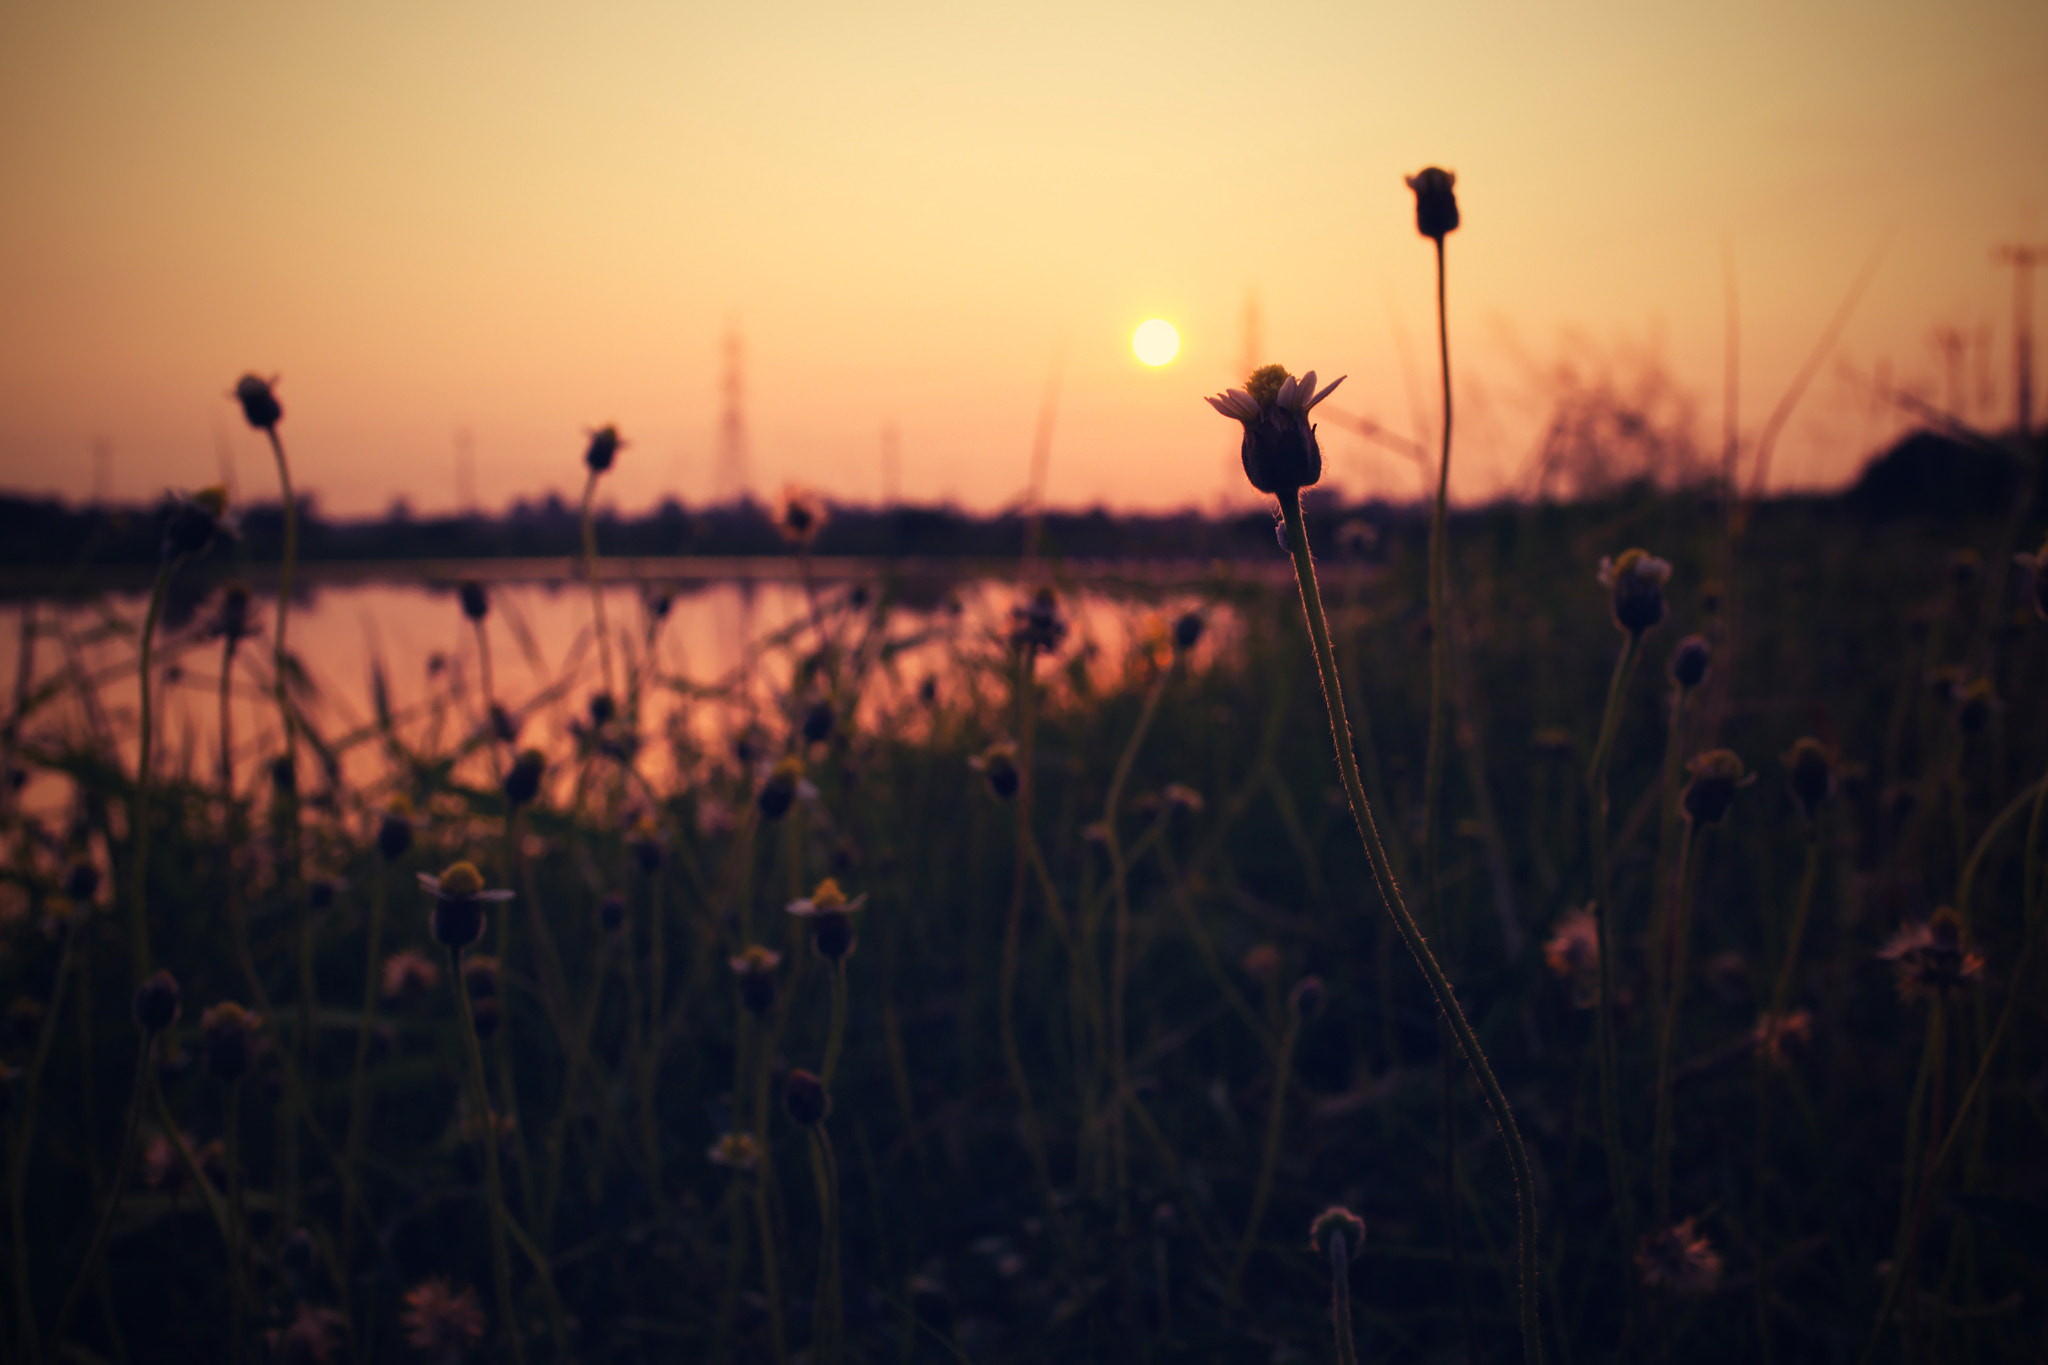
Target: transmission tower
(2023, 259)
(732, 480)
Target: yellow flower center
(461, 881)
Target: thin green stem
(487, 1135)
(1340, 1299)
(827, 1319)
(604, 644)
(835, 1036)
(1610, 1101)
(1439, 985)
(1269, 1153)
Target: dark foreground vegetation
(1121, 1013)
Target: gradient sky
(521, 221)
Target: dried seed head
(1637, 579)
(258, 397)
(804, 1095)
(156, 1003)
(1689, 661)
(1337, 1221)
(1810, 772)
(1716, 774)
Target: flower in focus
(441, 1322)
(737, 1152)
(1930, 959)
(409, 972)
(1572, 953)
(603, 449)
(1280, 452)
(1637, 578)
(800, 516)
(831, 916)
(1436, 206)
(258, 397)
(459, 899)
(1679, 1260)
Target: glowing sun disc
(1156, 341)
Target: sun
(1156, 341)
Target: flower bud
(1689, 661)
(229, 1033)
(487, 1014)
(475, 604)
(156, 1003)
(1715, 776)
(394, 831)
(1187, 631)
(259, 402)
(817, 726)
(1436, 206)
(522, 780)
(803, 1094)
(1334, 1222)
(1307, 998)
(611, 912)
(194, 521)
(603, 449)
(999, 765)
(1810, 771)
(754, 969)
(1637, 578)
(779, 791)
(602, 708)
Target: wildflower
(1038, 628)
(1689, 661)
(1777, 1036)
(1187, 631)
(1637, 578)
(1436, 207)
(1572, 953)
(755, 966)
(611, 912)
(1679, 1260)
(737, 1152)
(1810, 772)
(394, 830)
(779, 791)
(799, 516)
(1930, 958)
(230, 1034)
(409, 972)
(1336, 1221)
(156, 1003)
(1280, 452)
(2038, 562)
(312, 1337)
(439, 1321)
(522, 780)
(459, 899)
(603, 449)
(817, 724)
(804, 1095)
(258, 397)
(998, 763)
(1715, 776)
(475, 605)
(194, 521)
(831, 917)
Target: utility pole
(732, 481)
(2023, 259)
(1950, 344)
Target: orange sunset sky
(519, 221)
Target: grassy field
(1123, 1011)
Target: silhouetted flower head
(830, 913)
(480, 976)
(459, 899)
(603, 449)
(156, 1003)
(82, 882)
(1334, 1222)
(778, 793)
(1280, 452)
(804, 1095)
(441, 1322)
(1716, 774)
(394, 829)
(1679, 1260)
(1637, 578)
(1038, 627)
(1308, 997)
(754, 968)
(817, 722)
(230, 1034)
(194, 520)
(1930, 958)
(231, 620)
(504, 724)
(998, 763)
(1436, 206)
(800, 516)
(1689, 661)
(602, 708)
(1187, 631)
(611, 912)
(258, 397)
(1810, 772)
(737, 1152)
(1572, 952)
(476, 604)
(645, 845)
(522, 779)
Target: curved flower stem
(1340, 1299)
(1390, 896)
(138, 816)
(604, 643)
(827, 1318)
(487, 1136)
(1660, 1147)
(1610, 1101)
(1269, 1155)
